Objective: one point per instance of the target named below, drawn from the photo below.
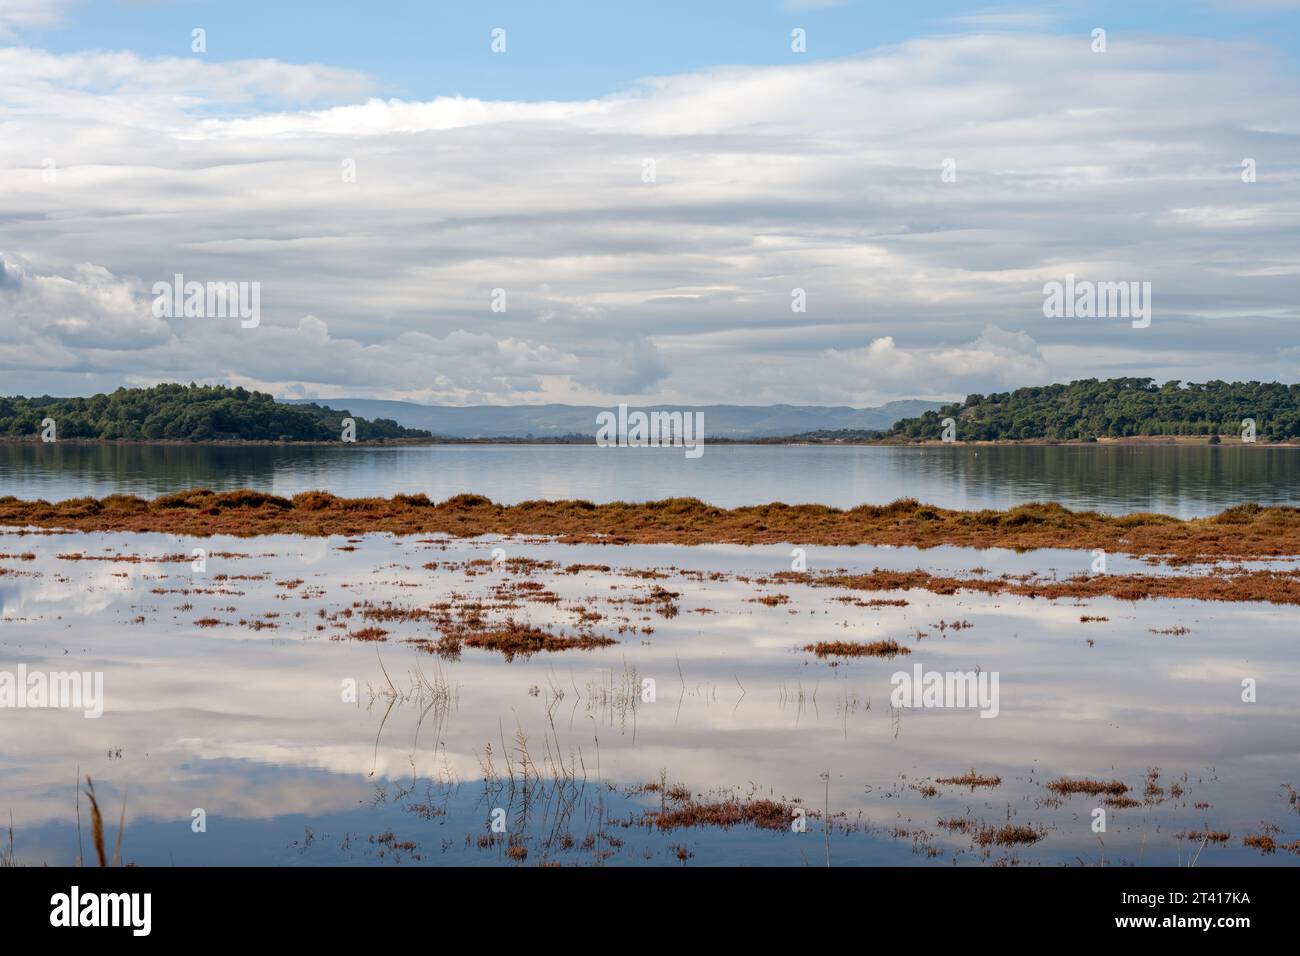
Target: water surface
(1186, 481)
(245, 718)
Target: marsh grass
(970, 779)
(1274, 587)
(1244, 531)
(762, 814)
(7, 857)
(886, 649)
(1068, 787)
(97, 827)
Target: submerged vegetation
(513, 638)
(1066, 787)
(971, 779)
(886, 648)
(1273, 587)
(187, 413)
(1242, 532)
(553, 741)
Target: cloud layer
(379, 229)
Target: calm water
(1185, 481)
(225, 687)
(223, 692)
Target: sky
(628, 202)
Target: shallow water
(1186, 481)
(248, 720)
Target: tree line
(188, 413)
(1089, 409)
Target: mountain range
(555, 421)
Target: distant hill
(555, 421)
(186, 413)
(1116, 408)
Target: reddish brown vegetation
(1008, 835)
(1064, 785)
(872, 602)
(1277, 587)
(1121, 802)
(970, 779)
(1246, 531)
(511, 638)
(888, 648)
(1266, 844)
(764, 814)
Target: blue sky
(651, 187)
(570, 49)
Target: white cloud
(823, 176)
(88, 309)
(1009, 18)
(18, 15)
(997, 358)
(163, 93)
(798, 5)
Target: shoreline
(1243, 532)
(1137, 441)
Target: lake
(423, 700)
(1186, 481)
(226, 693)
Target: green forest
(187, 413)
(1090, 409)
